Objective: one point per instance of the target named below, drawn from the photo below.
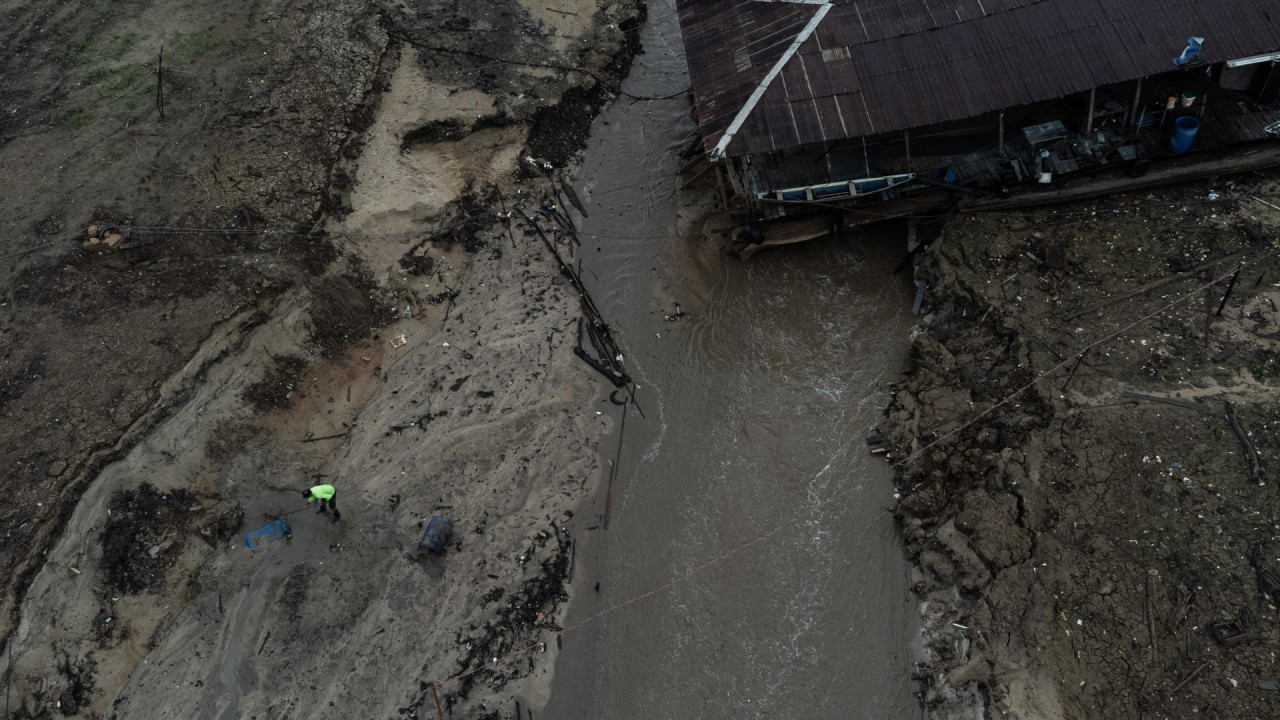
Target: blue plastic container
(1184, 131)
(436, 534)
(278, 530)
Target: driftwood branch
(1198, 407)
(324, 437)
(1151, 618)
(1189, 678)
(1255, 463)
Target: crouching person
(327, 496)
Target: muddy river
(756, 406)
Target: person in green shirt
(328, 498)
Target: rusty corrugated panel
(730, 45)
(877, 66)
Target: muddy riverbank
(1104, 542)
(315, 286)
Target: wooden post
(1208, 311)
(1088, 121)
(1002, 133)
(1230, 286)
(160, 83)
(1133, 114)
(866, 159)
(906, 138)
(1079, 359)
(436, 695)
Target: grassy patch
(78, 119)
(193, 586)
(118, 80)
(121, 44)
(80, 54)
(193, 45)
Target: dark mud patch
(16, 385)
(434, 132)
(465, 222)
(347, 308)
(527, 610)
(143, 537)
(229, 437)
(560, 132)
(524, 613)
(293, 594)
(275, 390)
(452, 129)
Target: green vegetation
(116, 81)
(193, 586)
(78, 119)
(80, 55)
(193, 45)
(121, 44)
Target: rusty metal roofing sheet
(876, 66)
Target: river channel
(756, 406)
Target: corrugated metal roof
(876, 66)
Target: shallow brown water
(756, 408)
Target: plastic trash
(436, 534)
(1192, 51)
(278, 530)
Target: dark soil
(465, 223)
(559, 132)
(433, 132)
(142, 521)
(275, 389)
(1093, 538)
(345, 309)
(521, 617)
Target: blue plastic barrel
(1184, 131)
(436, 534)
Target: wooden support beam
(1137, 98)
(1002, 134)
(1088, 120)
